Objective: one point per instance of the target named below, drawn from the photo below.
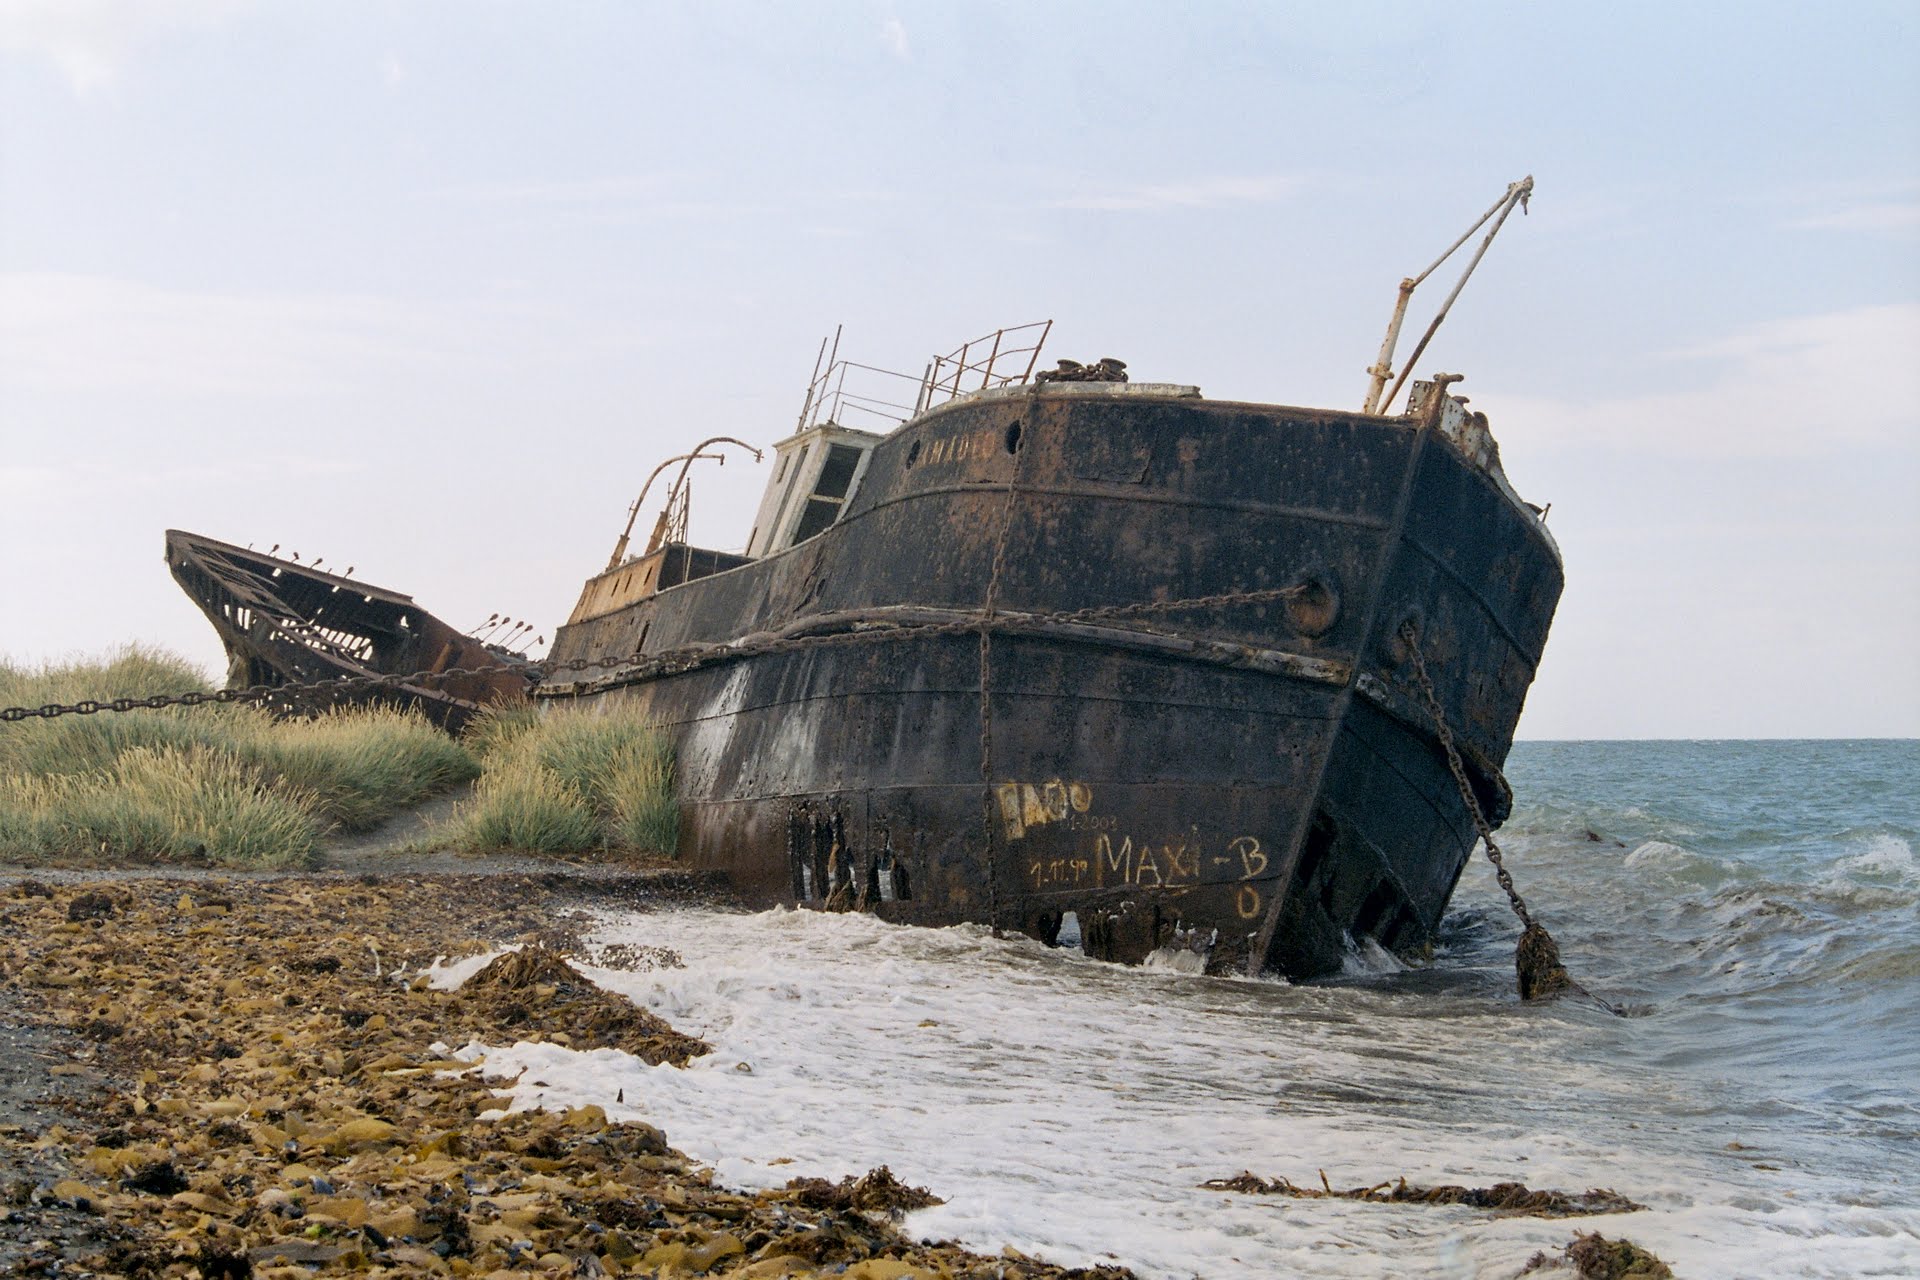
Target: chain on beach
(1541, 973)
(667, 662)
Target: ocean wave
(1881, 874)
(1886, 857)
(1677, 865)
(1572, 825)
(1368, 959)
(1896, 963)
(1757, 910)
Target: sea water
(1752, 904)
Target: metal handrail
(992, 358)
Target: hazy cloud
(1201, 193)
(87, 333)
(578, 191)
(1879, 216)
(1785, 388)
(90, 40)
(894, 33)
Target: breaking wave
(1674, 864)
(1764, 929)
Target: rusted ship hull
(288, 626)
(1254, 778)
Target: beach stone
(888, 1269)
(359, 1133)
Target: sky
(428, 288)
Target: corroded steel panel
(285, 624)
(1249, 778)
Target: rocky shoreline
(232, 1076)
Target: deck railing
(847, 387)
(1001, 357)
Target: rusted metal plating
(290, 628)
(1249, 775)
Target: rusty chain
(990, 602)
(664, 663)
(1411, 638)
(1537, 958)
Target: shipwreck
(1092, 659)
(1100, 661)
(307, 639)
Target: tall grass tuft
(497, 728)
(229, 785)
(167, 804)
(642, 812)
(233, 786)
(528, 809)
(361, 764)
(604, 771)
(86, 744)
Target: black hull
(1257, 776)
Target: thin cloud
(75, 334)
(893, 33)
(1880, 216)
(1202, 193)
(90, 41)
(579, 191)
(1795, 387)
(632, 199)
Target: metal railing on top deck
(999, 359)
(952, 375)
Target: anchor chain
(1537, 958)
(990, 603)
(667, 662)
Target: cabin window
(830, 494)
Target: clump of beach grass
(490, 734)
(165, 803)
(568, 782)
(527, 809)
(362, 764)
(77, 744)
(229, 785)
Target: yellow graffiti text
(1035, 804)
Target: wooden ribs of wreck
(286, 625)
(1257, 783)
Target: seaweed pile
(1589, 1255)
(248, 1091)
(1502, 1197)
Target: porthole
(1013, 438)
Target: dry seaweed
(1595, 1257)
(534, 993)
(1502, 1197)
(312, 1132)
(876, 1191)
(1537, 960)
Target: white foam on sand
(451, 975)
(1071, 1109)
